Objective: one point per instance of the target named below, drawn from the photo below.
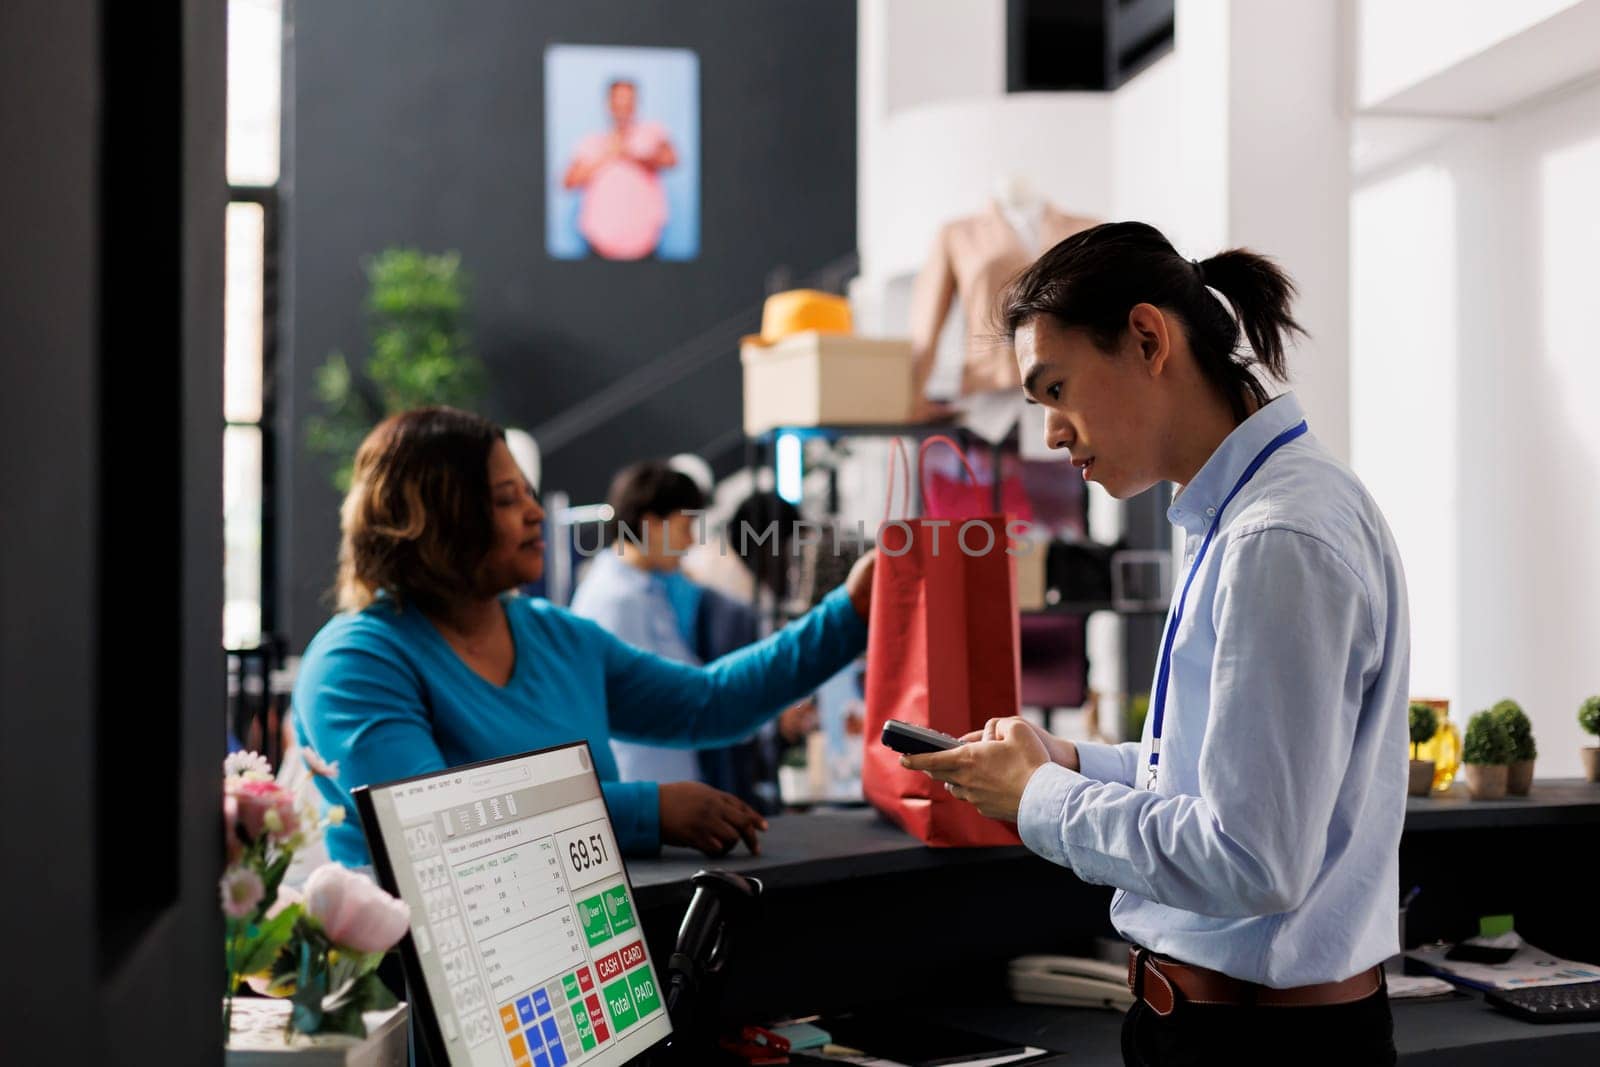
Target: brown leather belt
(1158, 980)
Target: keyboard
(1575, 1003)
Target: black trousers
(1357, 1034)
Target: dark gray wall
(111, 688)
(421, 122)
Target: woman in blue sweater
(431, 662)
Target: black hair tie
(1199, 271)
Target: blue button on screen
(525, 1009)
(541, 1003)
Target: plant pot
(1487, 781)
(1591, 762)
(1421, 777)
(1519, 778)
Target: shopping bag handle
(897, 449)
(922, 457)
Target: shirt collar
(1196, 505)
(619, 573)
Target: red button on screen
(608, 967)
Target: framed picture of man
(622, 153)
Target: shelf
(914, 429)
(1089, 607)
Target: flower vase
(1443, 748)
(1421, 777)
(258, 1039)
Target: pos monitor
(525, 947)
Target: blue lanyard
(1159, 704)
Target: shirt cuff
(1043, 808)
(1101, 763)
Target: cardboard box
(817, 379)
(1032, 579)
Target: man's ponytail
(1094, 278)
(1261, 295)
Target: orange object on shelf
(1444, 747)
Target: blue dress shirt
(643, 609)
(1269, 847)
(382, 692)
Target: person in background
(624, 207)
(431, 663)
(745, 563)
(636, 590)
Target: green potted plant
(1589, 720)
(1519, 777)
(1423, 724)
(1487, 752)
(421, 354)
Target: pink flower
(287, 898)
(353, 911)
(254, 799)
(241, 892)
(230, 828)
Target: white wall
(940, 161)
(1399, 43)
(943, 50)
(910, 53)
(1476, 380)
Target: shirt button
(1211, 513)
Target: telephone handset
(1070, 981)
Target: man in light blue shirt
(635, 588)
(1253, 833)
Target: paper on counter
(1410, 987)
(1529, 967)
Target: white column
(1265, 155)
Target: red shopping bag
(942, 651)
(945, 495)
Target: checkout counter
(856, 913)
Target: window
(255, 50)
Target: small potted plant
(1589, 720)
(1486, 752)
(1519, 777)
(1424, 723)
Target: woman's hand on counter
(859, 584)
(991, 771)
(1062, 752)
(697, 816)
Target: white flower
(336, 815)
(317, 765)
(246, 764)
(272, 821)
(242, 891)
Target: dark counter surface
(1459, 1031)
(824, 846)
(1554, 802)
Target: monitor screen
(525, 947)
